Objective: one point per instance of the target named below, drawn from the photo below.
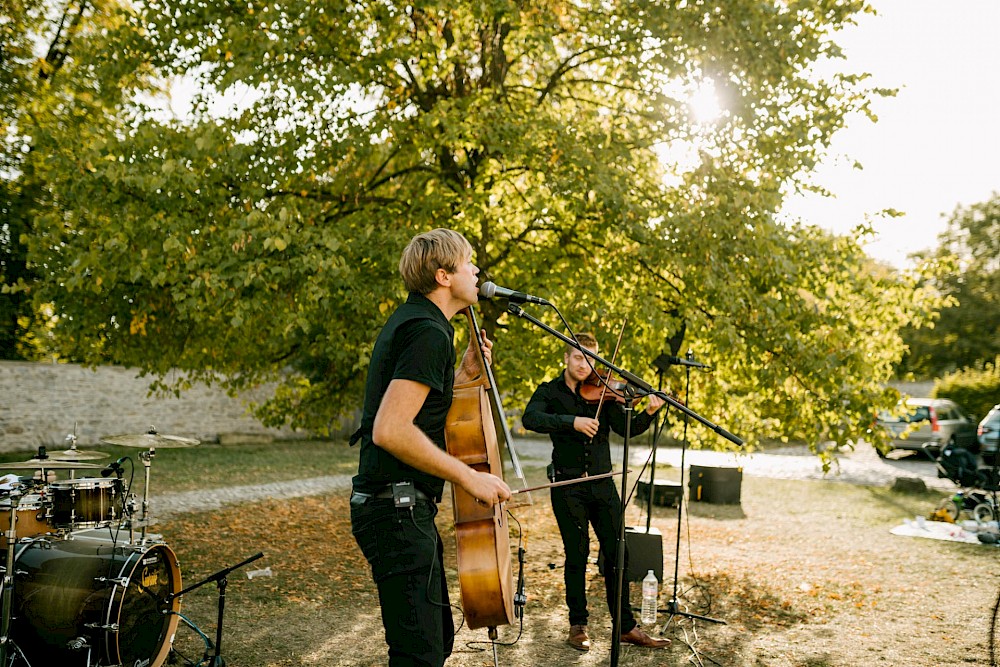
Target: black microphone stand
(657, 428)
(221, 580)
(672, 607)
(636, 388)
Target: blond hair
(426, 253)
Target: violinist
(580, 449)
(403, 464)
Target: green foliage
(260, 241)
(61, 84)
(968, 333)
(976, 390)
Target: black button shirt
(552, 409)
(416, 343)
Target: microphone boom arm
(643, 387)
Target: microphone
(665, 359)
(491, 291)
(115, 467)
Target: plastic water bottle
(650, 598)
(266, 572)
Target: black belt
(387, 493)
(359, 497)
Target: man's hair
(585, 339)
(428, 252)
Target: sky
(937, 143)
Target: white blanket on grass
(935, 530)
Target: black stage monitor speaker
(665, 493)
(715, 485)
(645, 553)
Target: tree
(54, 85)
(968, 333)
(261, 243)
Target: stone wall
(40, 403)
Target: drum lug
(106, 628)
(117, 581)
(77, 644)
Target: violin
(599, 386)
(592, 388)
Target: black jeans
(404, 551)
(577, 506)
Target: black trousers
(404, 550)
(576, 507)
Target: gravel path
(170, 504)
(862, 467)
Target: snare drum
(30, 516)
(77, 595)
(83, 503)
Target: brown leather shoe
(639, 638)
(578, 638)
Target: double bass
(481, 533)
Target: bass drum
(78, 593)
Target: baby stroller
(977, 495)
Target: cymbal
(77, 455)
(147, 440)
(47, 464)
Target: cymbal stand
(8, 584)
(71, 439)
(147, 461)
(221, 580)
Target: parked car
(928, 424)
(988, 434)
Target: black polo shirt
(552, 409)
(417, 343)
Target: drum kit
(77, 588)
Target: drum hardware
(117, 581)
(78, 644)
(220, 578)
(128, 512)
(98, 626)
(6, 641)
(147, 461)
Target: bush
(976, 390)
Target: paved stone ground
(861, 466)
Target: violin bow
(567, 482)
(604, 391)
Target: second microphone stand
(672, 607)
(221, 580)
